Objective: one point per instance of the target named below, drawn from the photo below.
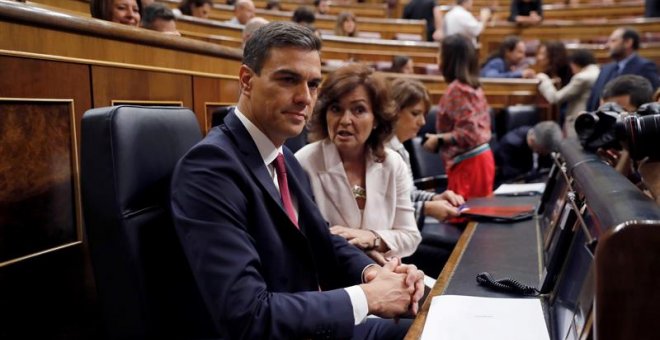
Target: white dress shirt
(459, 21)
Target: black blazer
(258, 274)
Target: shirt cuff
(359, 302)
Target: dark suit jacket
(258, 274)
(513, 156)
(637, 65)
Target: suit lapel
(336, 186)
(253, 161)
(611, 73)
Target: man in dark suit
(623, 45)
(261, 253)
(515, 151)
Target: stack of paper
(467, 317)
(520, 189)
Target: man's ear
(245, 78)
(628, 43)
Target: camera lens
(585, 122)
(641, 135)
(597, 129)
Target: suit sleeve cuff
(359, 302)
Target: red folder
(499, 213)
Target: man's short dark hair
(581, 57)
(630, 33)
(278, 34)
(186, 5)
(303, 15)
(155, 11)
(637, 87)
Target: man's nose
(303, 95)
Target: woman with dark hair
(552, 59)
(413, 103)
(346, 25)
(361, 188)
(576, 93)
(402, 64)
(196, 8)
(507, 61)
(463, 122)
(126, 12)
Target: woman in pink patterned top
(463, 122)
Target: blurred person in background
(463, 122)
(576, 93)
(243, 12)
(552, 59)
(459, 20)
(125, 12)
(402, 64)
(195, 8)
(346, 25)
(526, 12)
(159, 17)
(251, 26)
(322, 7)
(508, 61)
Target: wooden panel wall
(120, 84)
(56, 290)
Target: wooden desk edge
(415, 331)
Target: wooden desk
(481, 241)
(387, 28)
(572, 12)
(500, 93)
(582, 31)
(361, 10)
(606, 278)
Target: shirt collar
(395, 143)
(266, 148)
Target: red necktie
(280, 168)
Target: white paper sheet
(470, 318)
(526, 188)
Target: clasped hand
(393, 289)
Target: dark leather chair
(520, 115)
(144, 283)
(430, 168)
(427, 167)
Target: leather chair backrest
(145, 285)
(520, 115)
(429, 164)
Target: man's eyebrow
(288, 73)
